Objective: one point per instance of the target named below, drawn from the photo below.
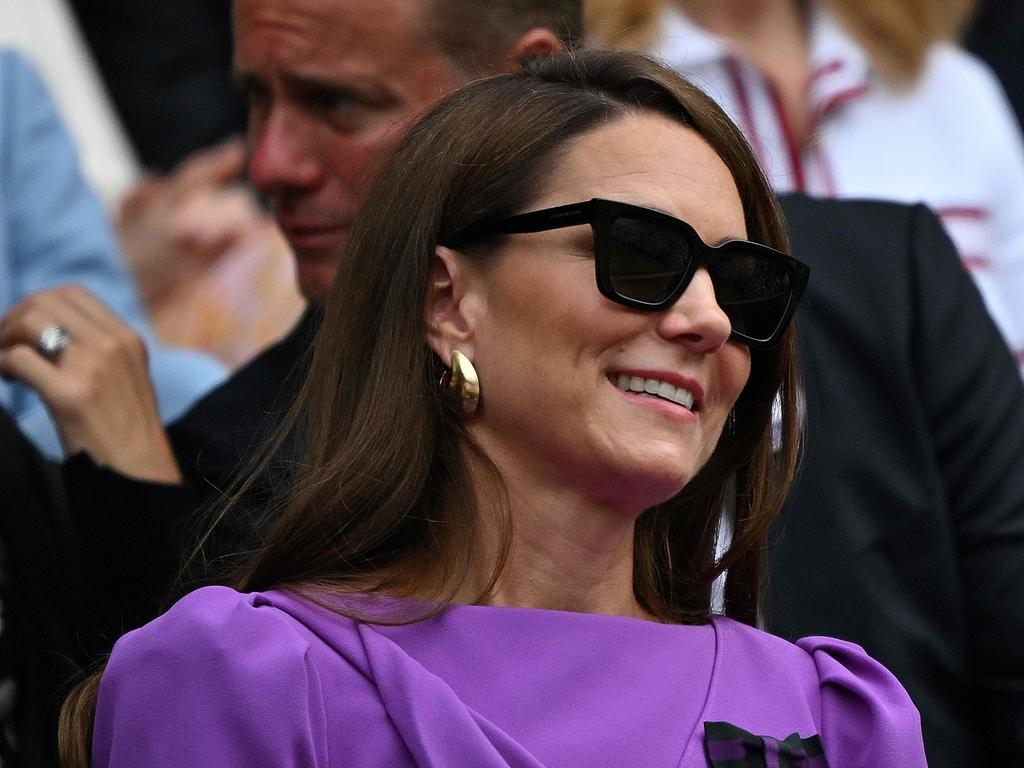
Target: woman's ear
(451, 298)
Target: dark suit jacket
(905, 532)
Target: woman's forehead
(652, 161)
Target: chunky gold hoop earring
(462, 383)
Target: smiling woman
(515, 568)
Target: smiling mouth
(654, 388)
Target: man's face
(333, 84)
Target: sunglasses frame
(600, 214)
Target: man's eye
(330, 99)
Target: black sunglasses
(645, 259)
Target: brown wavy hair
(382, 501)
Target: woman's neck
(772, 34)
(568, 553)
(568, 558)
(738, 19)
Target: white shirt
(949, 140)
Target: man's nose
(283, 154)
(696, 319)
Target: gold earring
(462, 383)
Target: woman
(858, 99)
(515, 569)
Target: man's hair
(477, 34)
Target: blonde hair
(627, 24)
(897, 34)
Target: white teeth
(662, 389)
(684, 398)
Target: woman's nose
(696, 319)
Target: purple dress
(271, 680)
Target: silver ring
(53, 340)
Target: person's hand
(174, 227)
(97, 388)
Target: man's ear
(449, 310)
(539, 41)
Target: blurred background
(147, 91)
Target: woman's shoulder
(797, 655)
(822, 666)
(860, 710)
(215, 654)
(251, 634)
(217, 619)
(214, 629)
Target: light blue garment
(53, 231)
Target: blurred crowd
(170, 225)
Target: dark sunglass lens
(646, 261)
(753, 290)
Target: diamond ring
(53, 340)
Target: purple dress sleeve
(867, 718)
(213, 682)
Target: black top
(905, 532)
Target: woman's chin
(636, 491)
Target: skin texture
(332, 87)
(581, 459)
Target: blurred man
(332, 85)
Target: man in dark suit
(905, 531)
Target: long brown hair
(382, 500)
